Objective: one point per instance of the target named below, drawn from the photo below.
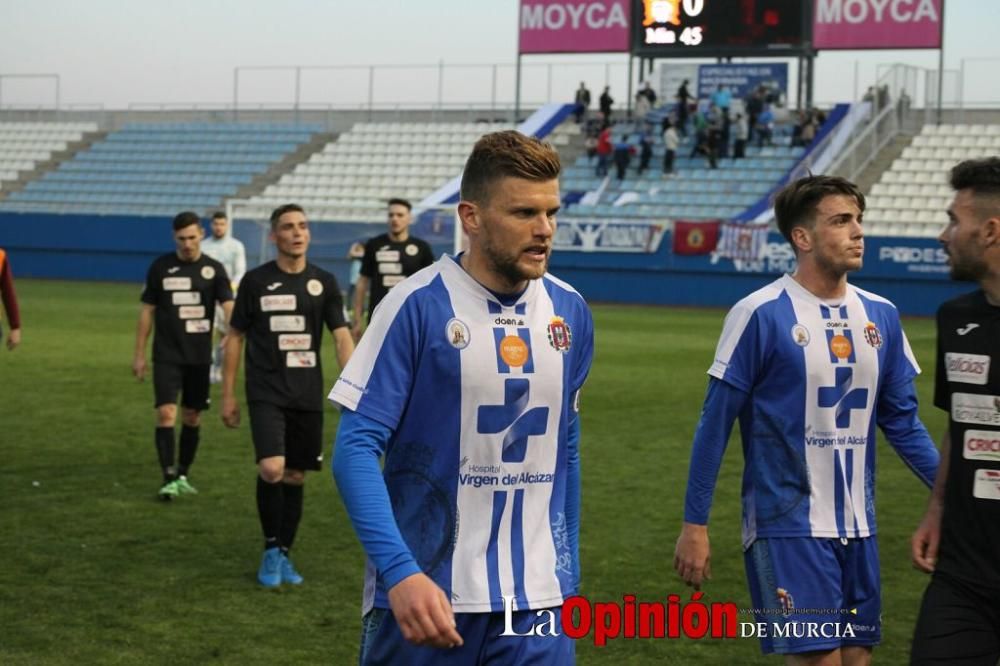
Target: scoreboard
(716, 28)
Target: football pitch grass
(96, 571)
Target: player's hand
(924, 542)
(693, 555)
(423, 612)
(14, 338)
(139, 367)
(230, 411)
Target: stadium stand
(911, 196)
(159, 168)
(23, 146)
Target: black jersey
(967, 385)
(387, 263)
(185, 294)
(282, 316)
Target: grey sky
(116, 52)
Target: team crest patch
(560, 336)
(873, 336)
(785, 600)
(207, 272)
(314, 287)
(457, 333)
(800, 335)
(411, 250)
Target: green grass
(95, 571)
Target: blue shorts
(815, 594)
(382, 642)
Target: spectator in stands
(606, 102)
(670, 141)
(229, 252)
(389, 259)
(641, 107)
(722, 98)
(713, 139)
(623, 155)
(645, 150)
(683, 99)
(903, 106)
(741, 136)
(808, 130)
(754, 105)
(604, 150)
(356, 253)
(582, 101)
(765, 127)
(883, 96)
(9, 302)
(700, 134)
(650, 94)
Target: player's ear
(801, 239)
(468, 212)
(991, 232)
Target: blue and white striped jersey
(479, 396)
(819, 378)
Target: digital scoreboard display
(700, 28)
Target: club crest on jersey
(207, 272)
(411, 250)
(560, 335)
(314, 287)
(800, 335)
(457, 333)
(872, 335)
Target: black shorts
(292, 433)
(958, 624)
(190, 380)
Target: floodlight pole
(940, 95)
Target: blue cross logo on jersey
(843, 397)
(522, 422)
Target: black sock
(270, 500)
(291, 514)
(189, 446)
(165, 451)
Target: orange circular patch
(840, 346)
(514, 351)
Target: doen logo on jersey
(457, 333)
(873, 336)
(800, 335)
(207, 272)
(560, 335)
(314, 287)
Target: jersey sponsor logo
(978, 409)
(987, 484)
(185, 298)
(294, 341)
(207, 272)
(981, 445)
(967, 368)
(968, 328)
(300, 359)
(277, 302)
(191, 312)
(287, 323)
(824, 439)
(389, 256)
(508, 321)
(515, 419)
(314, 287)
(837, 324)
(800, 335)
(457, 333)
(197, 326)
(177, 284)
(390, 269)
(273, 286)
(873, 336)
(173, 269)
(842, 397)
(560, 335)
(841, 347)
(514, 351)
(576, 401)
(390, 281)
(411, 250)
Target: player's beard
(504, 263)
(967, 269)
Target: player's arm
(142, 330)
(9, 297)
(692, 554)
(360, 293)
(572, 509)
(924, 543)
(897, 416)
(421, 608)
(343, 345)
(230, 368)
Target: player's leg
(267, 426)
(957, 625)
(167, 380)
(303, 451)
(194, 400)
(382, 643)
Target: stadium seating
(161, 168)
(911, 196)
(24, 145)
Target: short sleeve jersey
(185, 295)
(814, 372)
(967, 386)
(387, 263)
(480, 396)
(282, 315)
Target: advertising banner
(877, 24)
(573, 26)
(743, 78)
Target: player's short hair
(185, 219)
(795, 205)
(507, 154)
(395, 201)
(281, 210)
(219, 215)
(982, 177)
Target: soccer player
(389, 259)
(466, 384)
(182, 289)
(959, 537)
(810, 365)
(9, 297)
(224, 248)
(281, 310)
